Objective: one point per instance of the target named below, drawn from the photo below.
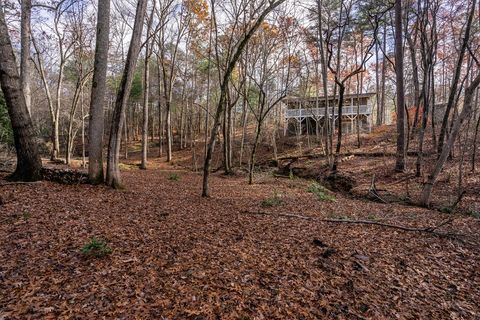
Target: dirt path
(179, 256)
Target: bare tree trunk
(359, 91)
(227, 134)
(377, 84)
(207, 106)
(56, 121)
(161, 130)
(427, 59)
(323, 60)
(244, 131)
(71, 119)
(223, 87)
(160, 118)
(401, 155)
(274, 142)
(455, 80)
(46, 86)
(82, 105)
(168, 123)
(58, 96)
(416, 82)
(230, 137)
(254, 152)
(29, 164)
(433, 101)
(113, 170)
(129, 132)
(146, 94)
(475, 139)
(465, 113)
(463, 149)
(226, 166)
(168, 76)
(384, 71)
(339, 137)
(421, 135)
(26, 9)
(97, 99)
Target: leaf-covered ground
(176, 255)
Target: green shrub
(174, 177)
(272, 201)
(474, 213)
(97, 248)
(291, 176)
(321, 192)
(446, 209)
(26, 215)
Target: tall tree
(337, 71)
(118, 117)
(169, 43)
(25, 27)
(456, 77)
(97, 100)
(401, 154)
(146, 89)
(323, 60)
(29, 164)
(224, 87)
(464, 114)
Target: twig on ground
(19, 182)
(431, 229)
(408, 177)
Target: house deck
(309, 112)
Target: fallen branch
(408, 177)
(431, 229)
(276, 175)
(19, 182)
(375, 154)
(373, 190)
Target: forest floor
(244, 253)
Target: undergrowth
(174, 177)
(273, 201)
(97, 248)
(474, 213)
(321, 192)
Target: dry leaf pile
(176, 255)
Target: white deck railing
(320, 112)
